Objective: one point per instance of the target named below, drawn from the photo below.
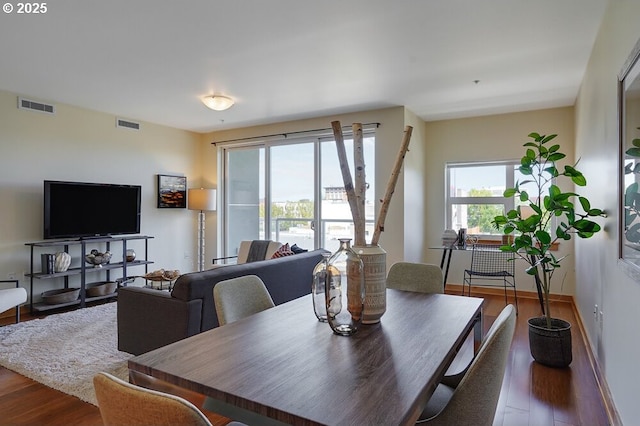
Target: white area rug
(64, 351)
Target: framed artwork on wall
(172, 192)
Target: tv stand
(95, 237)
(80, 268)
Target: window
(474, 194)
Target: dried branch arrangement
(356, 191)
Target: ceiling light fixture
(217, 102)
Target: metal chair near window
(489, 263)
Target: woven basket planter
(550, 347)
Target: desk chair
(489, 263)
(474, 400)
(418, 277)
(12, 298)
(240, 297)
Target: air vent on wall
(126, 124)
(35, 106)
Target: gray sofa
(149, 319)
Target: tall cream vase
(374, 260)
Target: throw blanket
(257, 250)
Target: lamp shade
(218, 102)
(201, 199)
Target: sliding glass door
(290, 192)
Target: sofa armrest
(149, 319)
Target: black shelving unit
(84, 268)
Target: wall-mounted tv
(82, 209)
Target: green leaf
(524, 196)
(586, 205)
(509, 192)
(534, 135)
(548, 138)
(556, 156)
(554, 148)
(635, 142)
(531, 154)
(633, 152)
(543, 237)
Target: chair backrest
(245, 250)
(488, 259)
(475, 399)
(419, 277)
(240, 297)
(122, 403)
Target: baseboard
(457, 289)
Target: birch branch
(344, 168)
(391, 185)
(360, 183)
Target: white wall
(601, 278)
(489, 138)
(81, 145)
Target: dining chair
(240, 297)
(12, 298)
(489, 263)
(419, 277)
(474, 400)
(122, 403)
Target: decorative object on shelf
(64, 295)
(101, 288)
(375, 303)
(202, 200)
(542, 200)
(374, 263)
(318, 288)
(344, 289)
(130, 255)
(172, 192)
(449, 237)
(98, 259)
(48, 263)
(62, 261)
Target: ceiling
(153, 60)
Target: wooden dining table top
(284, 364)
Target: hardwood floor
(531, 393)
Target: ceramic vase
(344, 290)
(374, 261)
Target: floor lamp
(202, 200)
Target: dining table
(283, 366)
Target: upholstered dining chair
(240, 297)
(419, 277)
(12, 298)
(122, 403)
(474, 400)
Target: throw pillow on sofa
(283, 251)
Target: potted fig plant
(530, 225)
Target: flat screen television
(84, 210)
